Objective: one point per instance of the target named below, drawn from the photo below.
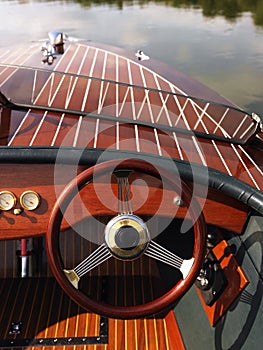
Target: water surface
(217, 44)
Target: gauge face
(7, 200)
(30, 200)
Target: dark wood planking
(58, 317)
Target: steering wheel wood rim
(155, 306)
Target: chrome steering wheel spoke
(158, 252)
(124, 192)
(97, 257)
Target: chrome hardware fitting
(15, 328)
(259, 120)
(126, 236)
(178, 201)
(53, 47)
(211, 280)
(141, 56)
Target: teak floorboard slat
(47, 312)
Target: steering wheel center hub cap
(126, 236)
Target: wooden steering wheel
(126, 239)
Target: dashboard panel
(28, 193)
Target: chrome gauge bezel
(12, 200)
(36, 197)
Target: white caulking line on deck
(164, 107)
(77, 324)
(63, 77)
(124, 100)
(178, 146)
(224, 132)
(214, 144)
(209, 116)
(146, 334)
(104, 96)
(157, 142)
(247, 130)
(25, 307)
(13, 72)
(64, 56)
(43, 87)
(34, 85)
(100, 103)
(181, 110)
(29, 310)
(89, 80)
(58, 128)
(142, 105)
(6, 53)
(125, 333)
(12, 308)
(15, 55)
(117, 103)
(156, 334)
(187, 126)
(221, 120)
(164, 101)
(137, 138)
(238, 128)
(19, 127)
(147, 69)
(200, 117)
(135, 332)
(132, 96)
(252, 161)
(244, 165)
(222, 158)
(77, 131)
(40, 310)
(69, 95)
(199, 150)
(147, 95)
(71, 87)
(96, 133)
(51, 77)
(172, 86)
(115, 337)
(166, 334)
(117, 85)
(38, 128)
(117, 136)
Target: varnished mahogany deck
(49, 317)
(133, 108)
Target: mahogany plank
(46, 312)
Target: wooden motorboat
(131, 204)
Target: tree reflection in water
(230, 9)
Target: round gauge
(30, 200)
(7, 200)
